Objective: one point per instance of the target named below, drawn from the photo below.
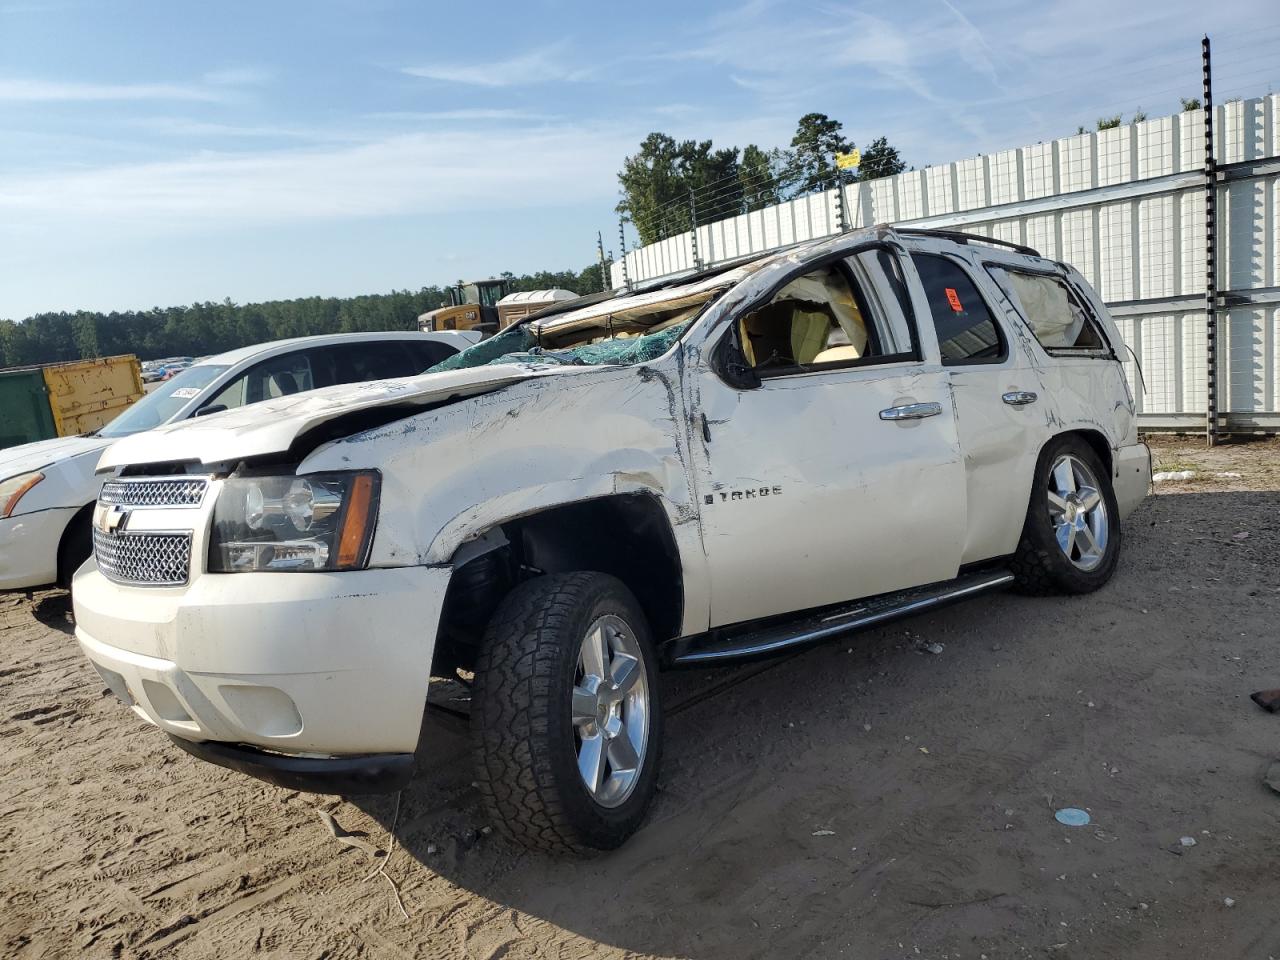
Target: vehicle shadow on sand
(54, 611)
(866, 791)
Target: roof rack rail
(959, 237)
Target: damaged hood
(272, 426)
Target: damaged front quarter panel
(451, 474)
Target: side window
(276, 377)
(820, 319)
(967, 332)
(1055, 315)
(230, 396)
(379, 360)
(427, 353)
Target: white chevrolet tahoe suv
(718, 467)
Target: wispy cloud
(479, 114)
(188, 128)
(239, 77)
(416, 173)
(543, 65)
(17, 90)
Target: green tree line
(668, 185)
(207, 328)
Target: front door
(839, 476)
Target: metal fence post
(693, 220)
(842, 215)
(1211, 252)
(622, 253)
(604, 276)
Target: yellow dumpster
(62, 399)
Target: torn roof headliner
(670, 295)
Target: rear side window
(967, 332)
(379, 360)
(427, 353)
(1053, 312)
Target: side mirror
(732, 365)
(737, 374)
(212, 408)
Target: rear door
(1000, 411)
(839, 475)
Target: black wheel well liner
(84, 514)
(1097, 441)
(626, 535)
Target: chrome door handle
(1019, 398)
(912, 411)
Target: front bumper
(365, 773)
(252, 670)
(29, 547)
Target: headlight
(323, 521)
(13, 489)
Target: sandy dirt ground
(865, 799)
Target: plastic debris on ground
(1072, 817)
(1166, 476)
(1268, 700)
(1272, 779)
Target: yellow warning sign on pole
(847, 160)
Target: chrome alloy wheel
(1078, 512)
(610, 710)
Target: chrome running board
(814, 627)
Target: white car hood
(34, 456)
(272, 425)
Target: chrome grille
(157, 559)
(175, 492)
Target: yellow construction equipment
(473, 305)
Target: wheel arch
(82, 516)
(1098, 443)
(627, 535)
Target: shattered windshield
(622, 330)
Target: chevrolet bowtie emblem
(112, 519)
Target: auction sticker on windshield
(186, 393)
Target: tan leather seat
(811, 326)
(766, 334)
(838, 354)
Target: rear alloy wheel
(566, 723)
(1071, 536)
(1079, 514)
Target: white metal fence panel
(1125, 206)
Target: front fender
(453, 473)
(479, 518)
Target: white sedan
(48, 488)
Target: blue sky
(154, 153)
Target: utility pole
(604, 275)
(622, 255)
(1211, 251)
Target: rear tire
(566, 723)
(1071, 537)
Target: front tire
(1071, 537)
(566, 723)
